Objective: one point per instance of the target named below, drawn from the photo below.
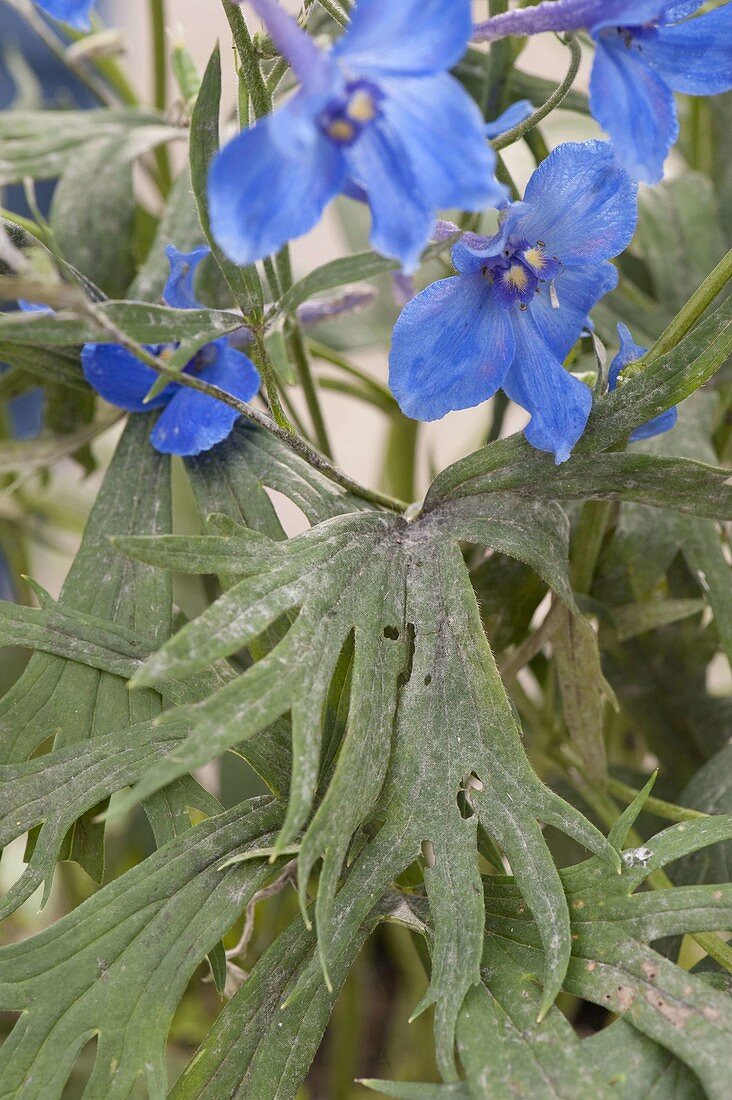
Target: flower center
(517, 274)
(345, 118)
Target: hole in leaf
(406, 674)
(466, 810)
(428, 853)
(392, 633)
(427, 680)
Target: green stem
(684, 321)
(270, 385)
(587, 541)
(667, 810)
(299, 354)
(250, 71)
(400, 461)
(88, 309)
(504, 176)
(499, 62)
(383, 395)
(160, 85)
(554, 100)
(25, 223)
(160, 58)
(500, 408)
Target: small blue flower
(76, 13)
(192, 422)
(377, 116)
(630, 352)
(520, 301)
(646, 50)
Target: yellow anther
(517, 277)
(341, 130)
(535, 258)
(361, 106)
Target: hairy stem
(554, 100)
(690, 313)
(285, 435)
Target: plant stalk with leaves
(431, 797)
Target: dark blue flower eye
(378, 116)
(520, 301)
(346, 117)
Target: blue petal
(76, 13)
(660, 424)
(635, 106)
(558, 402)
(406, 36)
(194, 422)
(626, 13)
(629, 352)
(26, 414)
(679, 9)
(7, 588)
(513, 116)
(180, 289)
(578, 290)
(120, 378)
(470, 253)
(442, 132)
(451, 348)
(262, 194)
(312, 66)
(32, 307)
(693, 57)
(582, 205)
(402, 218)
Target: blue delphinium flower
(629, 353)
(76, 13)
(520, 301)
(646, 50)
(192, 422)
(377, 116)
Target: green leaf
(710, 791)
(584, 690)
(179, 225)
(636, 618)
(260, 1046)
(611, 927)
(341, 272)
(57, 789)
(48, 447)
(47, 364)
(143, 322)
(675, 483)
(61, 698)
(204, 145)
(118, 965)
(416, 624)
(93, 213)
(43, 144)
